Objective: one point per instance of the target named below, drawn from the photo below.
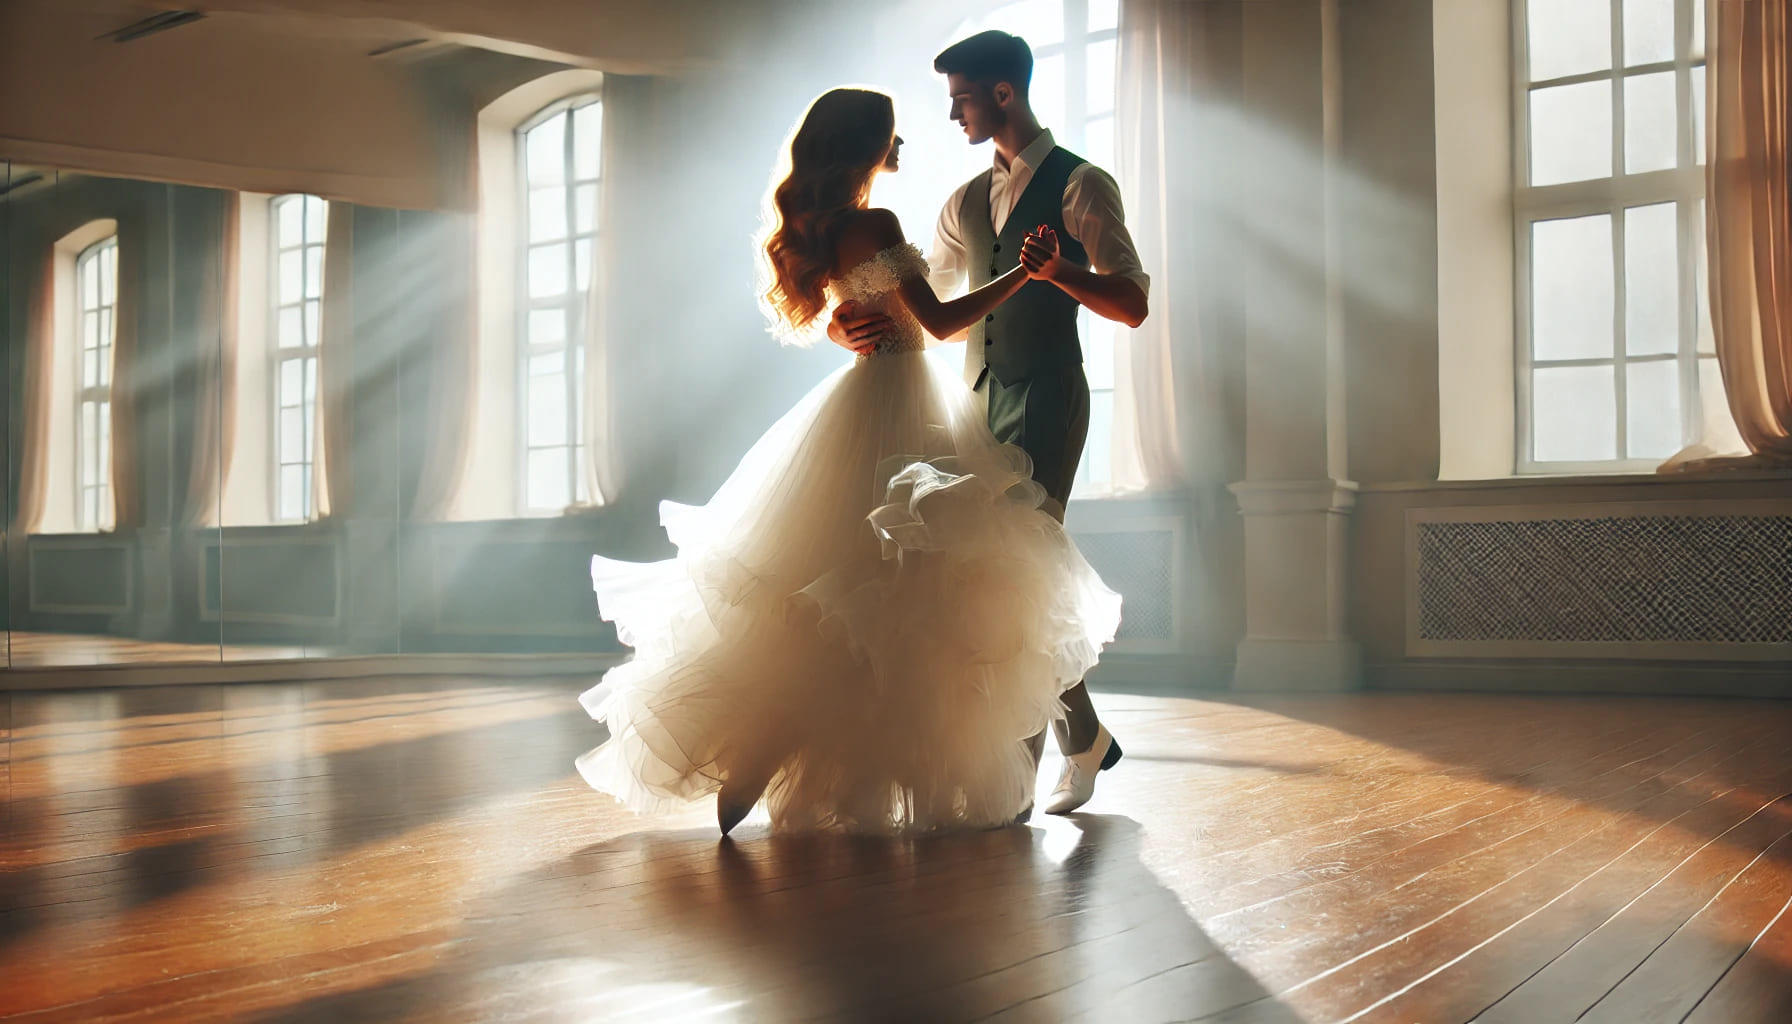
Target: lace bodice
(872, 284)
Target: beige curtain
(601, 467)
(332, 470)
(127, 475)
(1158, 62)
(214, 375)
(33, 425)
(1749, 224)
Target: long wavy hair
(833, 156)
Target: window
(561, 165)
(300, 223)
(96, 297)
(1615, 353)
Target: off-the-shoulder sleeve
(905, 261)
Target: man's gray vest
(1034, 332)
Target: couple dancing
(872, 622)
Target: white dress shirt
(1092, 215)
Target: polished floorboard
(420, 850)
(70, 650)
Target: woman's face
(892, 159)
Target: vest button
(990, 319)
(993, 270)
(987, 340)
(998, 247)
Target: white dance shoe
(1077, 784)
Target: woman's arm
(881, 230)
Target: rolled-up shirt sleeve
(1095, 218)
(946, 266)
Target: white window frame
(95, 393)
(573, 302)
(1684, 185)
(309, 308)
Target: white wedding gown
(871, 615)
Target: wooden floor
(421, 851)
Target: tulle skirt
(870, 617)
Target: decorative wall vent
(1141, 565)
(1645, 580)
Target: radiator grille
(1139, 565)
(1655, 579)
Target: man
(1026, 359)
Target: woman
(872, 615)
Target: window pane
(1718, 425)
(547, 479)
(1098, 451)
(1652, 419)
(1100, 96)
(1098, 349)
(310, 383)
(1103, 14)
(1698, 113)
(1048, 89)
(1698, 28)
(1571, 133)
(585, 199)
(545, 152)
(292, 274)
(90, 281)
(1652, 279)
(292, 435)
(313, 321)
(547, 271)
(587, 137)
(581, 269)
(1572, 288)
(314, 271)
(547, 327)
(90, 368)
(291, 217)
(1648, 31)
(291, 331)
(547, 214)
(292, 382)
(1650, 129)
(1574, 414)
(108, 275)
(317, 217)
(1040, 22)
(1098, 146)
(292, 493)
(547, 409)
(1569, 37)
(546, 364)
(90, 443)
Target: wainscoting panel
(1656, 580)
(92, 574)
(485, 586)
(281, 577)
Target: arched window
(561, 159)
(299, 225)
(96, 302)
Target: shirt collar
(1032, 156)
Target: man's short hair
(992, 56)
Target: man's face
(977, 106)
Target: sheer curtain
(1749, 225)
(1159, 58)
(452, 360)
(127, 476)
(332, 484)
(33, 425)
(214, 374)
(623, 97)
